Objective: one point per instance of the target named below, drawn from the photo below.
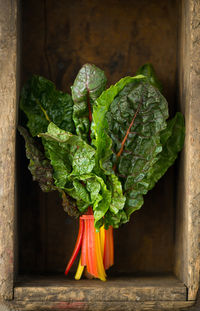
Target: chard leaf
(102, 141)
(115, 215)
(39, 165)
(88, 86)
(42, 103)
(172, 139)
(115, 220)
(69, 205)
(118, 199)
(128, 119)
(91, 190)
(148, 71)
(42, 171)
(73, 161)
(68, 153)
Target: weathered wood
(100, 306)
(116, 289)
(8, 91)
(188, 224)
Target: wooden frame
(150, 294)
(188, 223)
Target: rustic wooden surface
(8, 89)
(115, 289)
(100, 306)
(188, 221)
(57, 38)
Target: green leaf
(172, 139)
(115, 220)
(73, 161)
(39, 165)
(98, 196)
(118, 199)
(68, 153)
(91, 190)
(148, 71)
(115, 215)
(42, 172)
(42, 103)
(102, 141)
(88, 86)
(69, 205)
(128, 119)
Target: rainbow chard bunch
(102, 150)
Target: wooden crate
(157, 253)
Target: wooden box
(157, 253)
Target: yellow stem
(102, 239)
(100, 266)
(79, 271)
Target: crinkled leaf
(99, 196)
(128, 119)
(88, 86)
(115, 215)
(42, 103)
(69, 205)
(148, 71)
(68, 153)
(90, 190)
(42, 172)
(118, 199)
(102, 141)
(39, 165)
(115, 220)
(172, 139)
(73, 162)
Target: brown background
(58, 37)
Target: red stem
(77, 246)
(89, 108)
(83, 249)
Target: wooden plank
(100, 306)
(8, 91)
(188, 220)
(116, 289)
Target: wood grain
(187, 262)
(101, 306)
(8, 102)
(115, 289)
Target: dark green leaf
(148, 71)
(69, 205)
(39, 166)
(115, 220)
(172, 139)
(128, 119)
(88, 86)
(42, 103)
